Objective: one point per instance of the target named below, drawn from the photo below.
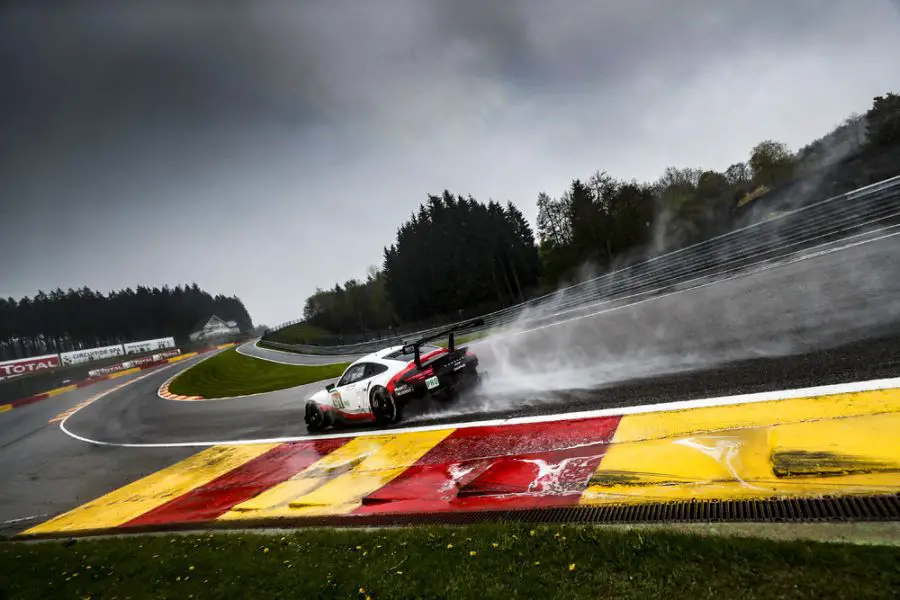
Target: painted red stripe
(209, 501)
(29, 400)
(78, 384)
(518, 466)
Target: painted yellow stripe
(809, 457)
(62, 390)
(682, 422)
(274, 502)
(135, 499)
(337, 483)
(123, 373)
(180, 357)
(5, 407)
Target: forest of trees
(454, 254)
(459, 254)
(76, 319)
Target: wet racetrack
(827, 319)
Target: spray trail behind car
(810, 304)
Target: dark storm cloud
(153, 61)
(499, 30)
(569, 41)
(312, 128)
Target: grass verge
(482, 561)
(299, 333)
(232, 374)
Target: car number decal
(336, 399)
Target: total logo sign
(22, 366)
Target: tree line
(453, 254)
(62, 321)
(457, 255)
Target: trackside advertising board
(11, 368)
(149, 345)
(82, 356)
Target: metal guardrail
(839, 217)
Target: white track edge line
(204, 399)
(105, 393)
(825, 390)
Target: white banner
(145, 360)
(82, 356)
(149, 345)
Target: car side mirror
(329, 387)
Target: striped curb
(163, 391)
(838, 445)
(165, 394)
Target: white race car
(376, 387)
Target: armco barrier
(136, 362)
(91, 380)
(869, 208)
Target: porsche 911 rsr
(377, 387)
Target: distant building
(215, 329)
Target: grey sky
(263, 149)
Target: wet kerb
(839, 445)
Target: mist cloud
(229, 143)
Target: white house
(214, 329)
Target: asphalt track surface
(827, 319)
(43, 471)
(292, 358)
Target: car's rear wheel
(384, 406)
(316, 419)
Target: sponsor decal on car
(402, 389)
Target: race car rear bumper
(451, 377)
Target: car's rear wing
(415, 346)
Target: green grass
(299, 333)
(232, 374)
(484, 561)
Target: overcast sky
(266, 148)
